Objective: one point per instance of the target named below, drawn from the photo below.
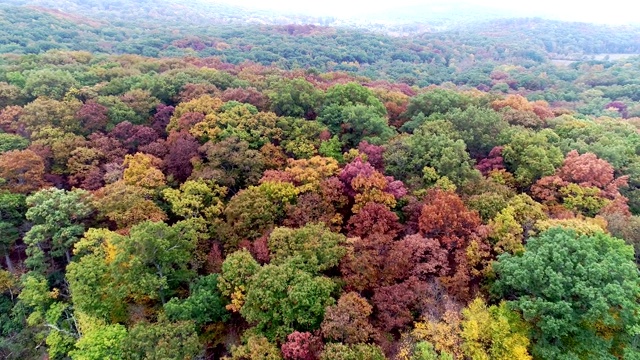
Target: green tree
(479, 128)
(364, 122)
(51, 319)
(196, 199)
(531, 155)
(204, 305)
(342, 96)
(92, 279)
(58, 218)
(432, 102)
(437, 145)
(12, 211)
(237, 269)
(50, 83)
(283, 298)
(318, 247)
(337, 351)
(100, 342)
(9, 142)
(579, 294)
(294, 97)
(162, 340)
(155, 258)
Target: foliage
(571, 287)
(283, 298)
(57, 217)
(494, 332)
(204, 304)
(318, 247)
(211, 188)
(339, 351)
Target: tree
(21, 171)
(494, 332)
(283, 298)
(237, 269)
(162, 340)
(415, 256)
(571, 287)
(530, 156)
(205, 105)
(182, 148)
(445, 218)
(52, 320)
(361, 266)
(10, 95)
(435, 144)
(396, 304)
(197, 199)
(9, 142)
(374, 218)
(142, 170)
(337, 351)
(12, 210)
(348, 320)
(156, 258)
(127, 205)
(239, 120)
(56, 147)
(371, 189)
(256, 348)
(254, 210)
(230, 163)
(93, 117)
(48, 112)
(362, 122)
(9, 120)
(443, 333)
(132, 136)
(49, 83)
(100, 342)
(294, 97)
(479, 128)
(204, 305)
(318, 247)
(586, 170)
(354, 112)
(444, 215)
(248, 96)
(58, 222)
(93, 281)
(309, 173)
(431, 102)
(302, 346)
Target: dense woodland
(311, 193)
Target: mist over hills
(403, 19)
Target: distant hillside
(430, 55)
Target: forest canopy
(305, 192)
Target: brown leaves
(347, 321)
(22, 171)
(444, 216)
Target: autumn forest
(228, 188)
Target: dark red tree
(182, 147)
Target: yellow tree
(142, 170)
(371, 189)
(493, 333)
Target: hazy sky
(610, 11)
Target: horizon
(616, 12)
